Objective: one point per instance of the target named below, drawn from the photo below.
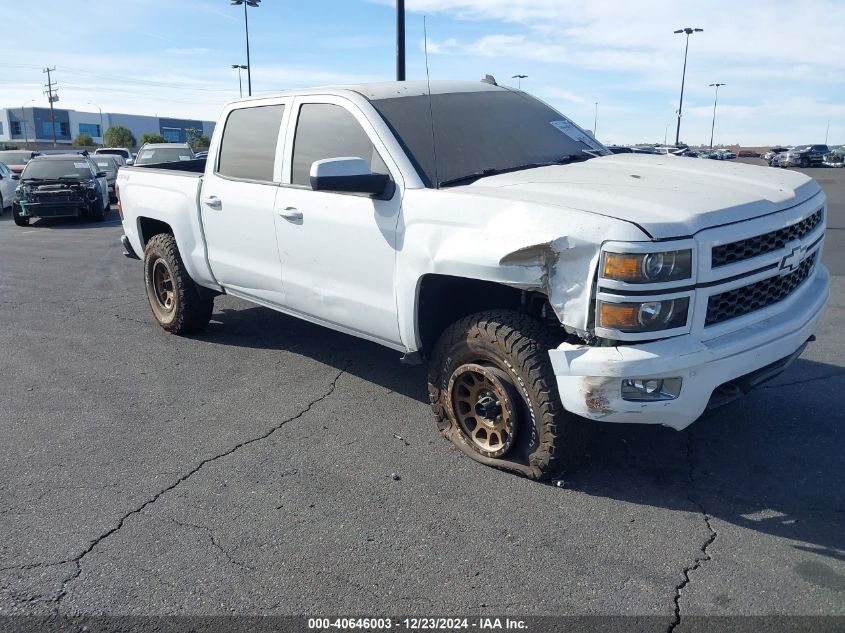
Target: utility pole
(102, 130)
(51, 97)
(715, 100)
(596, 119)
(689, 31)
(826, 132)
(400, 40)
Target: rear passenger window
(325, 130)
(248, 148)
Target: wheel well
(444, 299)
(149, 227)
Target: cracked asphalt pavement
(249, 470)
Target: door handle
(290, 213)
(213, 202)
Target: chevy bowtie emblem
(793, 260)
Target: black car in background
(61, 186)
(110, 165)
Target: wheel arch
(442, 299)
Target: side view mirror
(101, 174)
(349, 175)
(130, 161)
(16, 176)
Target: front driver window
(325, 130)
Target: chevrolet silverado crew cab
(543, 279)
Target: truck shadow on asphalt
(771, 462)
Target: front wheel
(20, 220)
(494, 394)
(805, 162)
(176, 301)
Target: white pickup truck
(542, 278)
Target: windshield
(497, 130)
(163, 155)
(15, 158)
(55, 169)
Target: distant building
(34, 125)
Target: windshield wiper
(563, 160)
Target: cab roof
(391, 89)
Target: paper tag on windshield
(575, 134)
(102, 164)
(80, 165)
(148, 154)
(184, 158)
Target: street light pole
(254, 4)
(240, 83)
(400, 40)
(519, 79)
(102, 129)
(689, 31)
(596, 119)
(715, 100)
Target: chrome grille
(756, 296)
(766, 243)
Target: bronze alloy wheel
(163, 285)
(483, 405)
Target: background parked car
(109, 164)
(835, 158)
(16, 159)
(117, 151)
(7, 188)
(748, 153)
(804, 156)
(59, 186)
(153, 153)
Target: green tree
(83, 140)
(152, 137)
(196, 138)
(119, 136)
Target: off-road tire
(191, 310)
(19, 219)
(549, 438)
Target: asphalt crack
(214, 542)
(77, 560)
(705, 556)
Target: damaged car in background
(543, 279)
(61, 186)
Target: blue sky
(781, 59)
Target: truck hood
(666, 196)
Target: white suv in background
(123, 152)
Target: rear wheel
(805, 162)
(20, 220)
(494, 394)
(176, 301)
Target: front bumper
(63, 209)
(589, 379)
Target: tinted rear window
(248, 148)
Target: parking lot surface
(270, 466)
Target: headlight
(646, 316)
(646, 268)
